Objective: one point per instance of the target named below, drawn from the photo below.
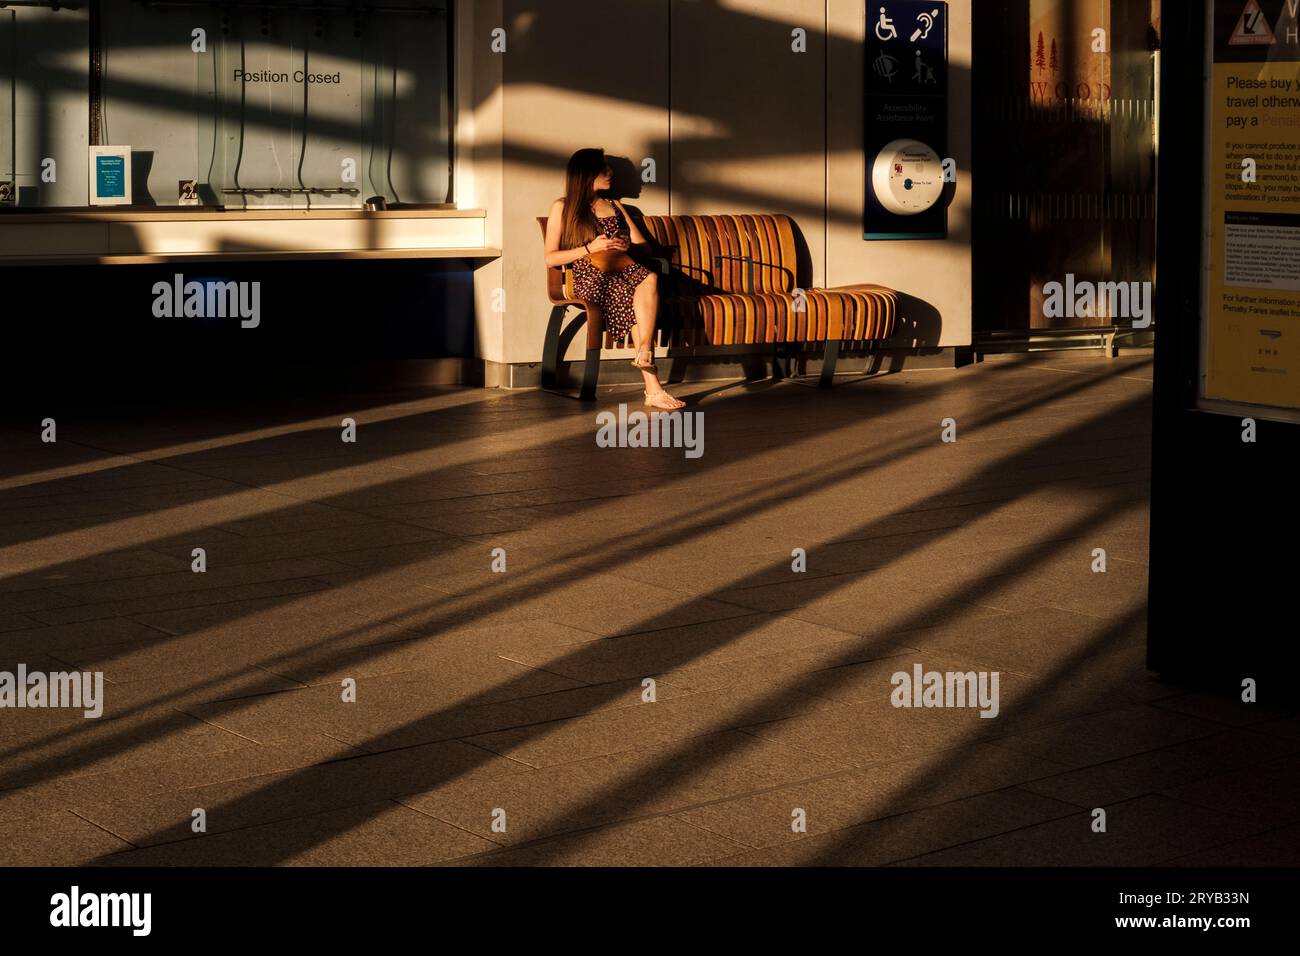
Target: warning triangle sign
(1252, 28)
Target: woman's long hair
(578, 224)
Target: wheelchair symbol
(885, 30)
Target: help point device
(907, 177)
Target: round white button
(907, 177)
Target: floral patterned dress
(610, 291)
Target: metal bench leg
(590, 374)
(829, 358)
(551, 348)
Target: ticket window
(256, 107)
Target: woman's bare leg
(651, 380)
(645, 303)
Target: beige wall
(737, 123)
(477, 173)
(749, 113)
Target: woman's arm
(555, 256)
(638, 238)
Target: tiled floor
(506, 717)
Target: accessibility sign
(906, 61)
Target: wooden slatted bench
(728, 280)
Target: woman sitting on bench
(593, 233)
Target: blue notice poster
(110, 177)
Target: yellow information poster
(1251, 350)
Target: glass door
(1065, 161)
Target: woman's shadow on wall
(625, 183)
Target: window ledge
(144, 236)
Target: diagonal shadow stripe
(275, 792)
(817, 476)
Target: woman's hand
(607, 244)
(637, 238)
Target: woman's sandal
(662, 399)
(649, 366)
